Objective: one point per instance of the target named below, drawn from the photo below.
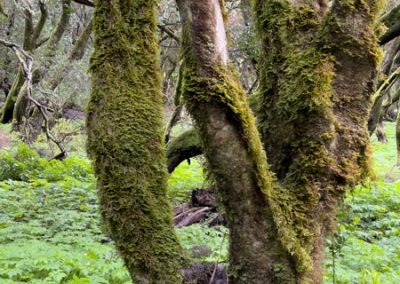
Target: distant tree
(45, 42)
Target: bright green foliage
(184, 179)
(367, 245)
(50, 233)
(214, 238)
(49, 225)
(384, 159)
(366, 249)
(23, 164)
(124, 140)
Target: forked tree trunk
(317, 68)
(125, 140)
(263, 247)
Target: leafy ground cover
(366, 248)
(50, 231)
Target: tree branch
(393, 32)
(26, 62)
(85, 2)
(40, 25)
(169, 32)
(27, 45)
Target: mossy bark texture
(125, 140)
(317, 67)
(263, 247)
(185, 146)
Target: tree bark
(185, 146)
(317, 72)
(125, 140)
(263, 248)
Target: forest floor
(50, 230)
(4, 139)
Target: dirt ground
(4, 139)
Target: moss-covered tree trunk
(125, 140)
(263, 246)
(318, 65)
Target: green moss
(1, 8)
(124, 140)
(8, 108)
(189, 138)
(220, 87)
(300, 113)
(187, 145)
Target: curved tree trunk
(125, 140)
(185, 146)
(6, 114)
(263, 247)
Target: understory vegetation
(50, 231)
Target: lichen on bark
(124, 140)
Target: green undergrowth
(185, 178)
(50, 231)
(384, 156)
(366, 248)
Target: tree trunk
(263, 247)
(125, 140)
(317, 66)
(8, 108)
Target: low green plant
(184, 179)
(366, 247)
(23, 164)
(50, 230)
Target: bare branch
(169, 32)
(26, 62)
(27, 45)
(379, 93)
